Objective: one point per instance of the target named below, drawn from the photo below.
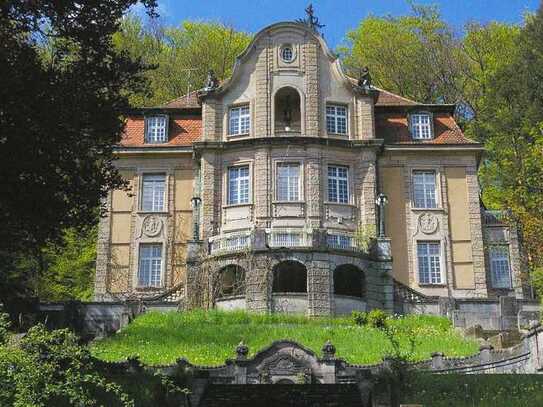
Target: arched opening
(231, 281)
(289, 277)
(349, 280)
(287, 111)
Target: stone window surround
(350, 116)
(442, 262)
(439, 188)
(294, 53)
(350, 182)
(224, 192)
(301, 186)
(168, 172)
(409, 122)
(489, 260)
(135, 274)
(226, 120)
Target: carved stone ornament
(428, 223)
(242, 351)
(152, 226)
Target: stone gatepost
(328, 363)
(534, 343)
(193, 294)
(380, 282)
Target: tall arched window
(287, 111)
(289, 277)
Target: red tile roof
(183, 131)
(188, 101)
(386, 98)
(394, 129)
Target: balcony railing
(289, 238)
(341, 241)
(230, 243)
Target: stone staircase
(284, 395)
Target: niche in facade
(349, 280)
(231, 281)
(289, 277)
(287, 112)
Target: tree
(182, 56)
(59, 119)
(415, 56)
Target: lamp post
(381, 201)
(195, 202)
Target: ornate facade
(262, 192)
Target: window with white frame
(153, 192)
(499, 266)
(424, 189)
(239, 120)
(288, 182)
(429, 262)
(150, 265)
(336, 119)
(338, 184)
(156, 129)
(238, 185)
(421, 126)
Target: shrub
(360, 317)
(377, 318)
(4, 328)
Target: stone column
(257, 280)
(380, 288)
(193, 291)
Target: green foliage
(181, 55)
(52, 369)
(69, 274)
(481, 390)
(364, 236)
(360, 317)
(60, 116)
(4, 327)
(211, 337)
(377, 318)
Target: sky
(340, 16)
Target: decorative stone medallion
(152, 225)
(428, 223)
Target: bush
(4, 328)
(360, 317)
(377, 318)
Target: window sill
(149, 289)
(438, 209)
(340, 204)
(432, 285)
(338, 135)
(152, 212)
(240, 205)
(288, 202)
(235, 136)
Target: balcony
(496, 218)
(276, 238)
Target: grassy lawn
(208, 338)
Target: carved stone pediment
(283, 365)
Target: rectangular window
(421, 127)
(288, 181)
(239, 120)
(499, 266)
(150, 265)
(153, 191)
(157, 129)
(238, 185)
(336, 119)
(338, 184)
(424, 189)
(429, 259)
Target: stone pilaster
(365, 118)
(319, 285)
(262, 186)
(103, 252)
(262, 127)
(258, 289)
(211, 194)
(212, 118)
(311, 68)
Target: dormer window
(239, 120)
(421, 126)
(156, 129)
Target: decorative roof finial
(212, 82)
(311, 21)
(364, 78)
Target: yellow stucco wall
(459, 226)
(393, 187)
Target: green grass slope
(209, 338)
